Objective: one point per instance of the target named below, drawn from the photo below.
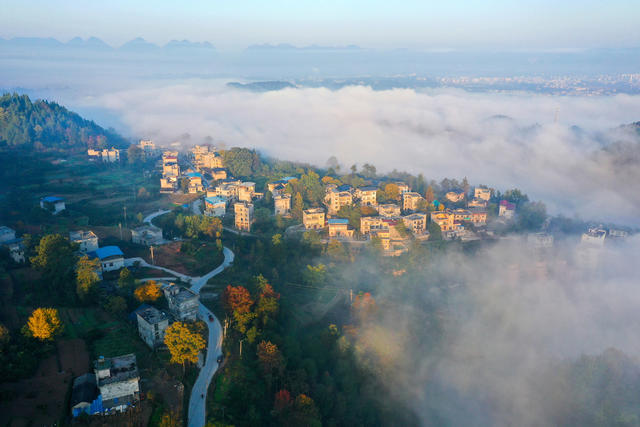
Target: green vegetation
(46, 125)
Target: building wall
(314, 220)
(153, 335)
(112, 264)
(119, 389)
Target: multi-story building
(110, 155)
(14, 245)
(170, 166)
(339, 197)
(416, 222)
(402, 187)
(444, 219)
(388, 210)
(246, 191)
(313, 219)
(146, 235)
(477, 203)
(215, 206)
(410, 201)
(282, 204)
(594, 236)
(183, 302)
(87, 240)
(278, 187)
(111, 258)
(152, 324)
(117, 379)
(339, 227)
(169, 184)
(243, 215)
(218, 174)
(540, 240)
(506, 209)
(146, 145)
(367, 195)
(478, 216)
(369, 223)
(195, 182)
(482, 194)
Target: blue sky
(541, 24)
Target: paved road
(150, 217)
(197, 400)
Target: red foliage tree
(237, 299)
(283, 400)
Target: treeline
(47, 125)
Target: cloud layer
(498, 140)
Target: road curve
(197, 400)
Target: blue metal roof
(52, 199)
(107, 251)
(194, 175)
(338, 221)
(215, 200)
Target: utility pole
(152, 260)
(120, 227)
(241, 347)
(125, 216)
(351, 296)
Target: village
(380, 213)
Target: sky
(456, 24)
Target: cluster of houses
(106, 155)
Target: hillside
(47, 125)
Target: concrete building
(111, 155)
(367, 195)
(215, 206)
(410, 201)
(455, 196)
(388, 210)
(169, 184)
(339, 227)
(402, 187)
(478, 216)
(482, 194)
(617, 233)
(218, 174)
(477, 203)
(540, 240)
(86, 240)
(337, 198)
(147, 146)
(416, 222)
(152, 324)
(195, 182)
(117, 379)
(147, 235)
(14, 245)
(111, 258)
(313, 219)
(183, 302)
(53, 204)
(506, 209)
(170, 166)
(444, 219)
(246, 191)
(278, 187)
(282, 204)
(243, 215)
(371, 223)
(594, 236)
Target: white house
(215, 206)
(146, 235)
(118, 381)
(86, 240)
(152, 324)
(111, 258)
(52, 204)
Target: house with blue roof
(53, 204)
(215, 206)
(111, 258)
(339, 227)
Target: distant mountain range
(93, 43)
(262, 86)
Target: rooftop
(194, 175)
(52, 199)
(334, 221)
(313, 211)
(6, 230)
(368, 188)
(107, 251)
(215, 200)
(121, 368)
(82, 235)
(179, 294)
(152, 315)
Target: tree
(369, 171)
(282, 401)
(149, 291)
(44, 324)
(134, 154)
(429, 195)
(184, 343)
(86, 277)
(314, 275)
(126, 281)
(392, 192)
(465, 186)
(237, 298)
(435, 233)
(267, 300)
(269, 357)
(298, 206)
(5, 336)
(56, 260)
(531, 216)
(115, 305)
(515, 196)
(364, 306)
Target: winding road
(197, 400)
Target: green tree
(531, 216)
(115, 305)
(56, 260)
(429, 195)
(314, 275)
(134, 155)
(126, 281)
(435, 233)
(298, 206)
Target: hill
(46, 125)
